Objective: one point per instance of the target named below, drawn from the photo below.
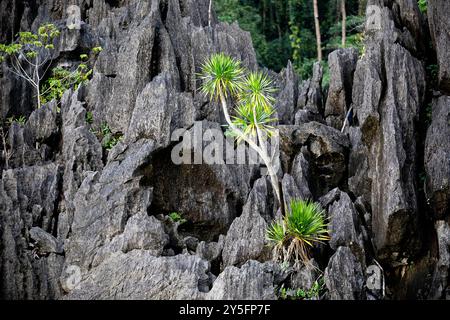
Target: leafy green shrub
(62, 79)
(21, 120)
(29, 55)
(176, 217)
(316, 290)
(89, 117)
(423, 5)
(300, 228)
(108, 138)
(97, 50)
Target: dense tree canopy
(284, 30)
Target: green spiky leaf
(257, 90)
(221, 76)
(249, 118)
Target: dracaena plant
(224, 80)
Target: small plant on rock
(226, 81)
(62, 79)
(21, 120)
(89, 117)
(302, 227)
(176, 217)
(423, 5)
(109, 139)
(313, 293)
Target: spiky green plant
(250, 120)
(302, 227)
(257, 90)
(223, 78)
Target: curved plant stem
(262, 153)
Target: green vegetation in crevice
(62, 80)
(109, 139)
(89, 117)
(316, 291)
(423, 5)
(176, 217)
(21, 120)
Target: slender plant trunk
(6, 153)
(362, 7)
(272, 174)
(210, 13)
(37, 80)
(317, 27)
(262, 153)
(344, 23)
(38, 96)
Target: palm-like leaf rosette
(302, 227)
(221, 76)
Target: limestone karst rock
(69, 204)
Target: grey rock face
(246, 238)
(290, 190)
(345, 227)
(344, 276)
(300, 173)
(305, 277)
(253, 281)
(328, 150)
(43, 123)
(310, 98)
(437, 158)
(159, 110)
(440, 276)
(82, 152)
(105, 202)
(359, 181)
(342, 64)
(387, 94)
(210, 251)
(177, 278)
(22, 147)
(78, 221)
(208, 195)
(439, 21)
(45, 242)
(27, 198)
(287, 98)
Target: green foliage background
(283, 30)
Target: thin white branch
(346, 119)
